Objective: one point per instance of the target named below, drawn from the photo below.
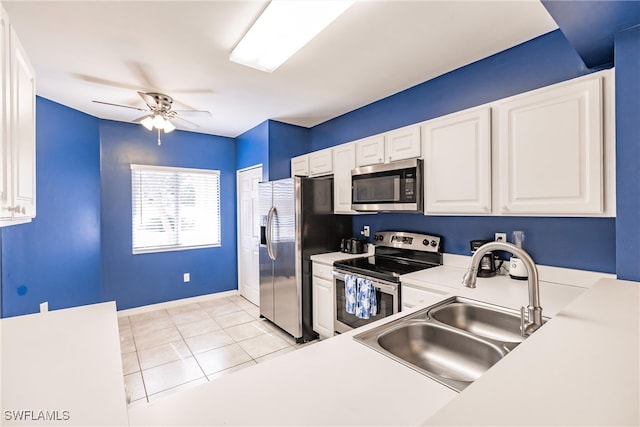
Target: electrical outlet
(365, 231)
(186, 277)
(501, 237)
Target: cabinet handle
(18, 209)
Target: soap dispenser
(517, 269)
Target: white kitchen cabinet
(398, 144)
(323, 299)
(321, 162)
(457, 154)
(370, 151)
(18, 138)
(300, 166)
(417, 297)
(403, 143)
(551, 150)
(344, 159)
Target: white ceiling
(92, 50)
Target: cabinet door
(370, 151)
(551, 151)
(321, 162)
(300, 166)
(403, 144)
(323, 307)
(5, 106)
(344, 159)
(23, 132)
(458, 163)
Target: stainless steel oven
(396, 253)
(387, 296)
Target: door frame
(238, 216)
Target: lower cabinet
(323, 300)
(414, 296)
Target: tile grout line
(183, 339)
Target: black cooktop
(381, 267)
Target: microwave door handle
(269, 233)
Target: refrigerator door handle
(269, 233)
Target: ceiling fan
(159, 114)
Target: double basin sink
(452, 342)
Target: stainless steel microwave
(390, 187)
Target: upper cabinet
(17, 131)
(321, 162)
(300, 166)
(398, 144)
(370, 151)
(551, 151)
(344, 159)
(457, 155)
(547, 152)
(404, 143)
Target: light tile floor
(167, 350)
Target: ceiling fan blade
(193, 113)
(185, 123)
(149, 100)
(141, 118)
(120, 105)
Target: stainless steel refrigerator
(296, 221)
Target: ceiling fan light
(147, 122)
(159, 121)
(168, 126)
(284, 27)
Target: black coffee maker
(487, 266)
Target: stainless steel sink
(456, 358)
(480, 319)
(453, 342)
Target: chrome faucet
(534, 311)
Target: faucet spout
(534, 310)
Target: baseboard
(174, 303)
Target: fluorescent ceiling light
(284, 27)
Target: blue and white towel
(350, 293)
(367, 304)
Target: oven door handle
(390, 289)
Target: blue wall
(285, 141)
(548, 59)
(252, 148)
(134, 280)
(56, 257)
(627, 59)
(272, 144)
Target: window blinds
(174, 208)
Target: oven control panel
(406, 240)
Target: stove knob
(425, 242)
(434, 243)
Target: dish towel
(367, 304)
(350, 293)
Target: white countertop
(63, 367)
(340, 382)
(580, 369)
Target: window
(174, 208)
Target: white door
(248, 233)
